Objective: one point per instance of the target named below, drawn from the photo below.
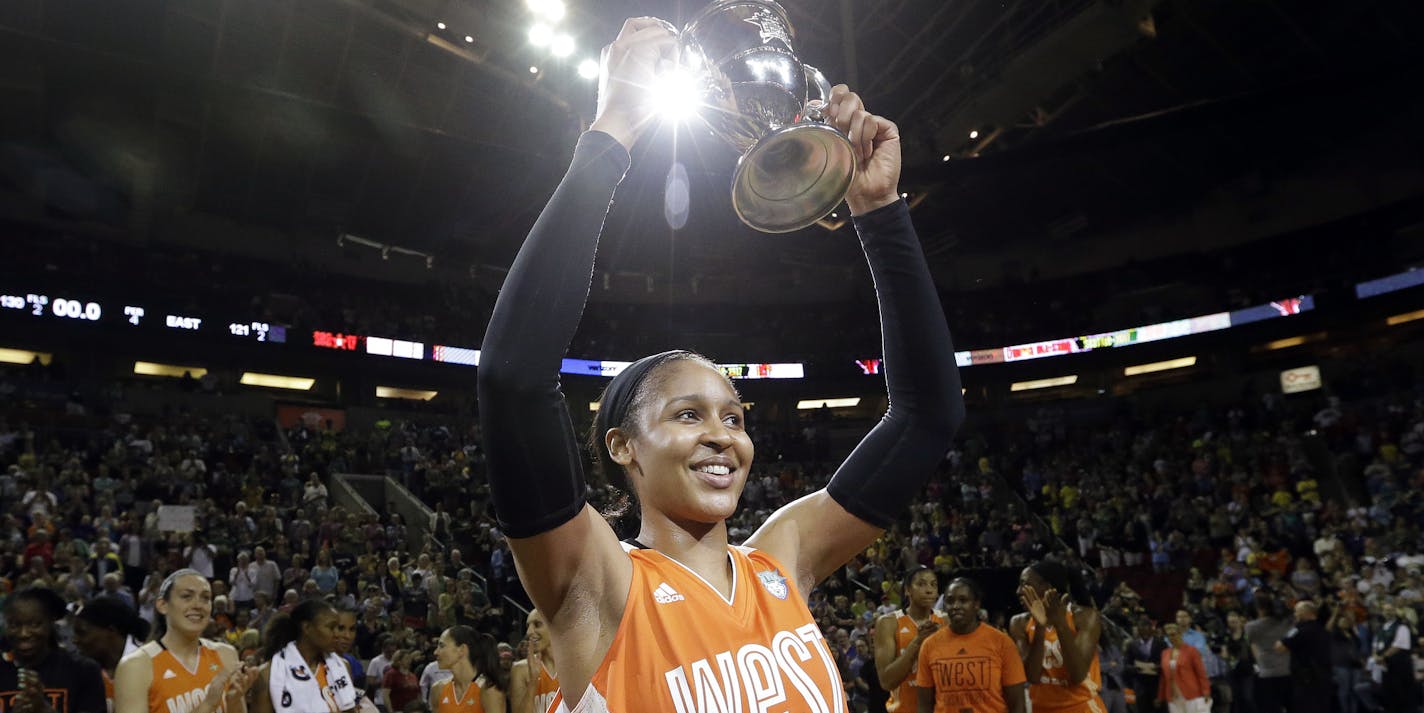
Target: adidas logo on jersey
(169, 674)
(904, 630)
(666, 595)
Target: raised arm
(535, 464)
(886, 471)
(520, 699)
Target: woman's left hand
(240, 681)
(875, 142)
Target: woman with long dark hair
(36, 674)
(1058, 639)
(178, 671)
(107, 629)
(479, 682)
(304, 673)
(633, 624)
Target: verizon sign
(1305, 378)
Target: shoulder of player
(438, 688)
(137, 667)
(143, 655)
(1084, 616)
(934, 640)
(1019, 624)
(520, 670)
(225, 651)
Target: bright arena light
(552, 10)
(540, 35)
(440, 25)
(533, 69)
(674, 94)
(562, 45)
(588, 69)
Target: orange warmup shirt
(969, 671)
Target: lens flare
(674, 94)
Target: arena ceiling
(316, 118)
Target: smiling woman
(36, 675)
(678, 613)
(178, 671)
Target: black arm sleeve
(890, 466)
(535, 466)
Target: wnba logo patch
(775, 583)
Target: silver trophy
(757, 96)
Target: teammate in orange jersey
(477, 685)
(1058, 639)
(677, 620)
(970, 667)
(178, 671)
(534, 681)
(899, 635)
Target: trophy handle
(818, 91)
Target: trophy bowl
(757, 96)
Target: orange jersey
(545, 690)
(969, 672)
(176, 689)
(467, 701)
(684, 648)
(903, 698)
(1051, 691)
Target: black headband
(618, 396)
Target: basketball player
(898, 637)
(676, 619)
(178, 671)
(304, 672)
(970, 667)
(534, 681)
(476, 685)
(1058, 639)
(107, 629)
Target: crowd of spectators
(1240, 513)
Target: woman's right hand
(627, 68)
(1034, 605)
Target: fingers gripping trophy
(759, 98)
